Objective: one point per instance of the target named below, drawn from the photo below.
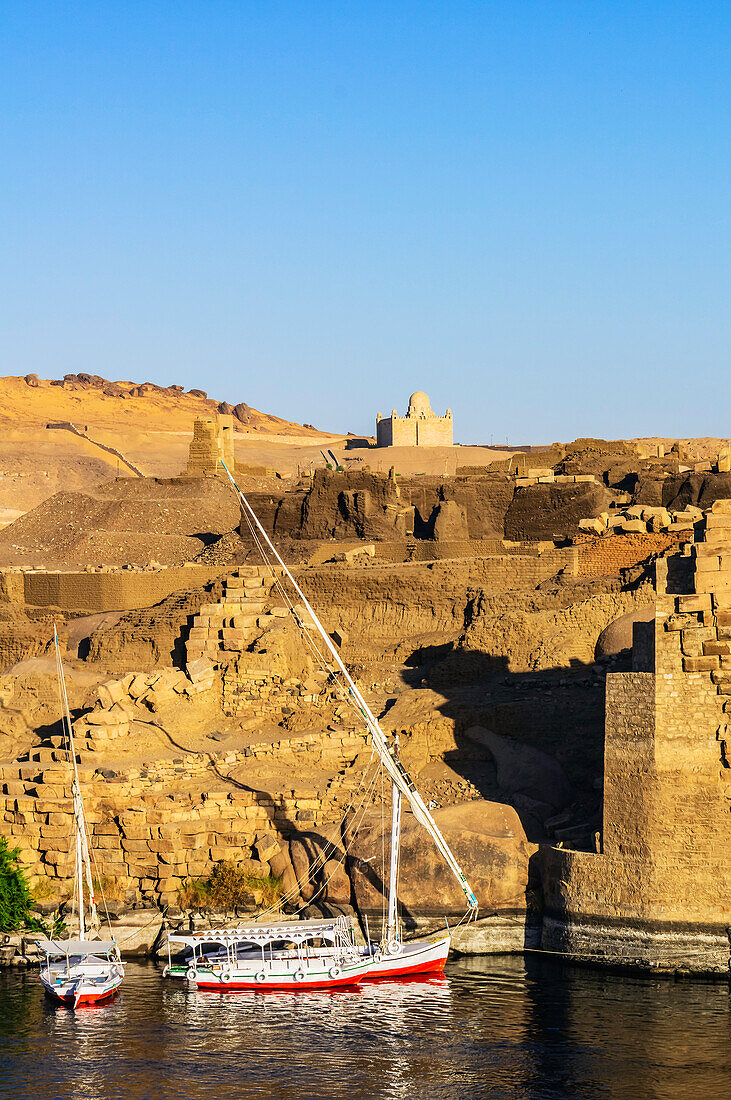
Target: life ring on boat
(394, 947)
(261, 976)
(225, 976)
(191, 973)
(299, 975)
(377, 957)
(334, 971)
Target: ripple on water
(498, 1028)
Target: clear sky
(521, 207)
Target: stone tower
(213, 439)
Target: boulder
(487, 839)
(242, 412)
(314, 859)
(336, 882)
(523, 769)
(450, 522)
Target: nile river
(490, 1028)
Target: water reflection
(497, 1028)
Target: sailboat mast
(392, 920)
(80, 882)
(393, 766)
(83, 866)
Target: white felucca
(82, 970)
(392, 957)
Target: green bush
(16, 899)
(229, 887)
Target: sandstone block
(721, 506)
(694, 603)
(700, 664)
(704, 550)
(200, 668)
(266, 847)
(634, 526)
(692, 640)
(717, 649)
(682, 622)
(712, 582)
(718, 537)
(719, 521)
(708, 564)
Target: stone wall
(657, 894)
(604, 557)
(85, 591)
(378, 601)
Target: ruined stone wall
(549, 511)
(607, 556)
(102, 591)
(421, 598)
(657, 894)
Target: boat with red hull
(81, 972)
(287, 956)
(224, 959)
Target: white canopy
(77, 947)
(293, 930)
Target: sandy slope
(153, 430)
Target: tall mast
(400, 777)
(83, 866)
(391, 932)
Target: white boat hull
(413, 957)
(81, 985)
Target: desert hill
(149, 425)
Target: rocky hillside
(148, 425)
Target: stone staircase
(221, 630)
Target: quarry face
(547, 632)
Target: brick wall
(606, 556)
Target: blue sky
(316, 208)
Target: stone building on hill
(419, 428)
(213, 439)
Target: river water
(490, 1028)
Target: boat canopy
(296, 931)
(77, 947)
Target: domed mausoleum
(419, 428)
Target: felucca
(82, 970)
(393, 956)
